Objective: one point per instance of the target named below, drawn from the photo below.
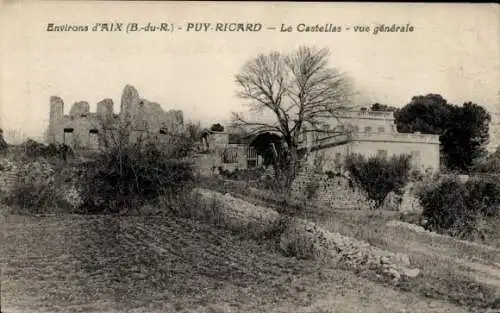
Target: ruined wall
(72, 129)
(336, 193)
(148, 116)
(55, 131)
(85, 129)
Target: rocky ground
(208, 263)
(138, 264)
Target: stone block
(105, 109)
(80, 109)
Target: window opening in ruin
(93, 139)
(68, 130)
(381, 129)
(368, 129)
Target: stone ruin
(82, 128)
(335, 192)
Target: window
(382, 153)
(381, 129)
(356, 129)
(68, 137)
(93, 139)
(338, 158)
(368, 129)
(415, 158)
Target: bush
(127, 177)
(378, 176)
(484, 195)
(457, 209)
(491, 164)
(243, 174)
(36, 150)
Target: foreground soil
(138, 264)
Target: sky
(453, 51)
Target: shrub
(378, 176)
(491, 164)
(458, 208)
(243, 174)
(332, 174)
(3, 144)
(126, 177)
(484, 195)
(36, 150)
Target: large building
(372, 133)
(365, 132)
(82, 129)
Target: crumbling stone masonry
(84, 129)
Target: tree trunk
(292, 166)
(286, 170)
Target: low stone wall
(301, 238)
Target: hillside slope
(137, 264)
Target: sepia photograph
(253, 157)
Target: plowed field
(136, 264)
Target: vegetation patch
(461, 209)
(378, 176)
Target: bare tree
(302, 94)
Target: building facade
(82, 129)
(369, 133)
(228, 151)
(372, 133)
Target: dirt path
(101, 264)
(485, 271)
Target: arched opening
(268, 145)
(68, 136)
